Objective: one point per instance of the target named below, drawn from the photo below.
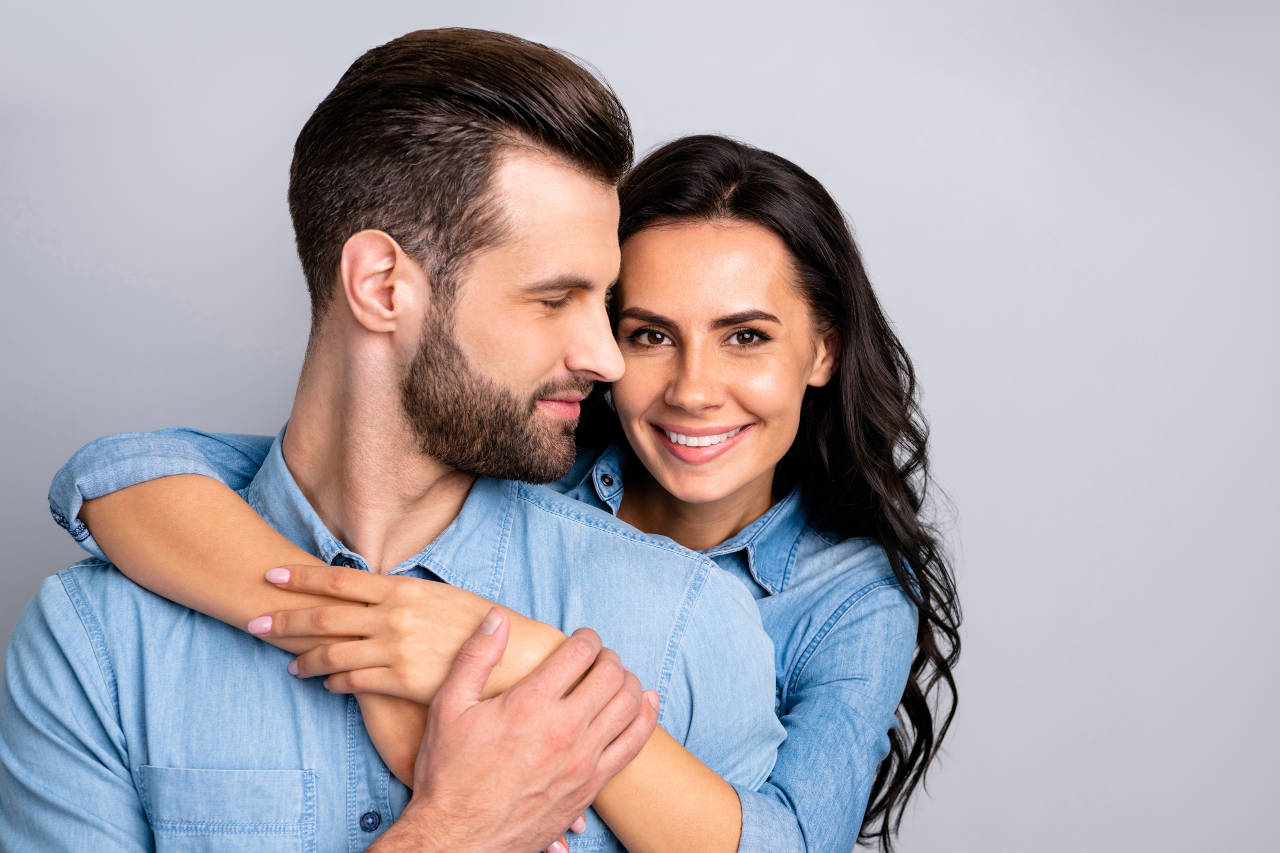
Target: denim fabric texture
(128, 722)
(843, 636)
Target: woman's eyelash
(760, 337)
(637, 336)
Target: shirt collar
(769, 541)
(479, 525)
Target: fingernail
(261, 625)
(491, 622)
(293, 667)
(278, 575)
(579, 825)
(326, 684)
(652, 699)
(557, 847)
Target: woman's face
(719, 348)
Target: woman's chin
(696, 490)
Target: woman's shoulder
(845, 570)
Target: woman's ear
(826, 361)
(381, 284)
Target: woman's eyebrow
(646, 317)
(753, 316)
(744, 317)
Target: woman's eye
(648, 338)
(747, 337)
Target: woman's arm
(194, 541)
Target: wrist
(532, 642)
(418, 829)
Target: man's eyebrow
(557, 283)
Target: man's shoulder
(93, 594)
(552, 510)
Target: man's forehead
(557, 224)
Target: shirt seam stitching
(528, 496)
(93, 633)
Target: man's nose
(594, 351)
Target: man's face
(493, 389)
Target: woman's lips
(696, 453)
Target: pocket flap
(186, 799)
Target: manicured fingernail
(557, 847)
(491, 621)
(278, 575)
(293, 667)
(579, 825)
(326, 684)
(261, 625)
(652, 699)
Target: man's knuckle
(581, 651)
(588, 636)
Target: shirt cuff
(768, 824)
(109, 465)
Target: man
(454, 206)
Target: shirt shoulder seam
(91, 626)
(613, 527)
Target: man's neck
(355, 459)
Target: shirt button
(607, 479)
(369, 821)
(349, 562)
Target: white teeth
(700, 440)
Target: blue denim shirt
(128, 722)
(843, 636)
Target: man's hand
(513, 772)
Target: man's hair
(409, 139)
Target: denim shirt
(843, 636)
(128, 722)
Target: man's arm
(511, 773)
(64, 771)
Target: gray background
(1069, 210)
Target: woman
(770, 421)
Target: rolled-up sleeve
(63, 761)
(115, 462)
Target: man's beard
(470, 423)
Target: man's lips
(564, 405)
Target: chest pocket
(220, 811)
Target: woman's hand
(398, 637)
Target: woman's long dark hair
(860, 455)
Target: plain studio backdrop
(1069, 210)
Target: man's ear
(381, 284)
(824, 366)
